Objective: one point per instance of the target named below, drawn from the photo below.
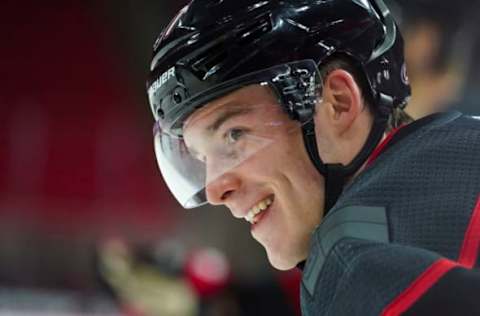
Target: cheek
(286, 160)
(297, 160)
(307, 185)
(286, 166)
(324, 135)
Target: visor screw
(177, 97)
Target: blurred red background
(76, 137)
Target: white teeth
(262, 205)
(256, 209)
(249, 217)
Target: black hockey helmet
(213, 47)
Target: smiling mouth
(254, 214)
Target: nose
(219, 191)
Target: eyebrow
(228, 114)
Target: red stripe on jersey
(471, 241)
(419, 287)
(467, 258)
(379, 149)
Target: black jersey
(404, 236)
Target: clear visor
(227, 136)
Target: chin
(282, 263)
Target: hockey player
(290, 113)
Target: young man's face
(255, 159)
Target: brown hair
(397, 118)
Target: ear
(342, 101)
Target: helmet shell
(210, 42)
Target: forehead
(254, 98)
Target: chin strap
(336, 175)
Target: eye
(233, 135)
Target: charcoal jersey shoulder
(429, 183)
(415, 202)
